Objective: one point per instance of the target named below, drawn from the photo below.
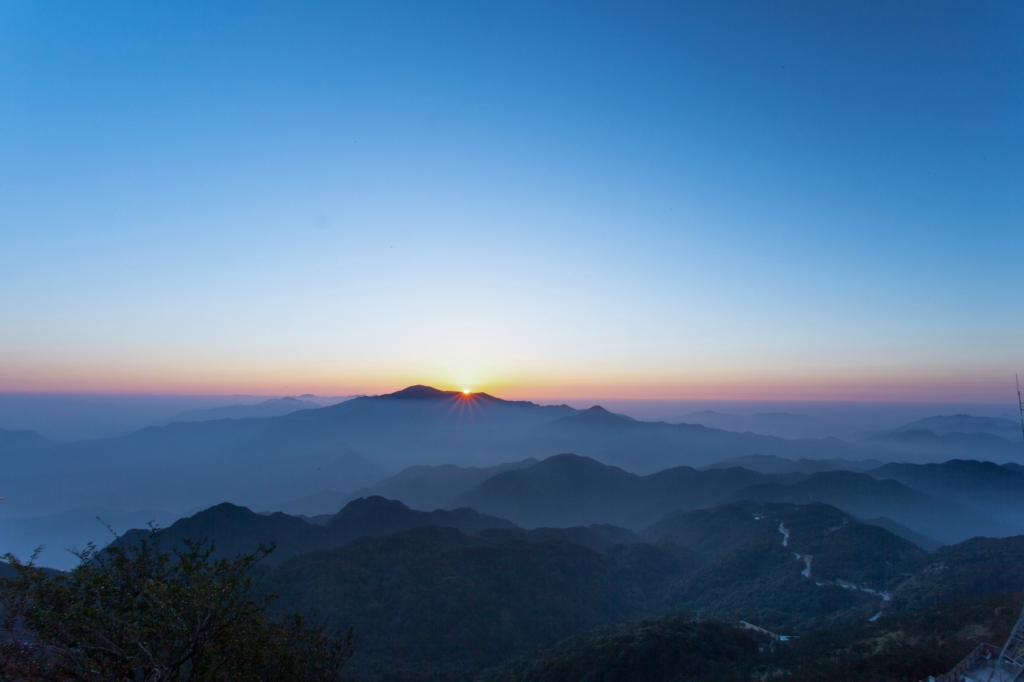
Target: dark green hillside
(830, 569)
(898, 648)
(377, 516)
(237, 530)
(715, 532)
(975, 567)
(433, 599)
(598, 537)
(565, 490)
(666, 650)
(846, 550)
(903, 647)
(842, 548)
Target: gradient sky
(714, 200)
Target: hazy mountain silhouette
(260, 462)
(925, 542)
(965, 423)
(569, 490)
(647, 447)
(61, 534)
(275, 407)
(782, 424)
(984, 486)
(431, 487)
(21, 440)
(867, 497)
(927, 446)
(771, 464)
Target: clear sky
(690, 200)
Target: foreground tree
(138, 613)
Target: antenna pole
(1020, 406)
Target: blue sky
(746, 200)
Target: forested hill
(450, 593)
(236, 530)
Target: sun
(466, 391)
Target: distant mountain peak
(421, 392)
(596, 416)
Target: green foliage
(751, 576)
(666, 650)
(434, 602)
(899, 648)
(977, 566)
(905, 647)
(137, 613)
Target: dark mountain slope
(237, 530)
(373, 516)
(564, 490)
(995, 490)
(598, 537)
(901, 647)
(788, 568)
(568, 490)
(433, 600)
(867, 497)
(712, 533)
(667, 650)
(976, 567)
(842, 548)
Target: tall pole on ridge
(1020, 406)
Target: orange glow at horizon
(520, 380)
(548, 389)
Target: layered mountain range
(440, 449)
